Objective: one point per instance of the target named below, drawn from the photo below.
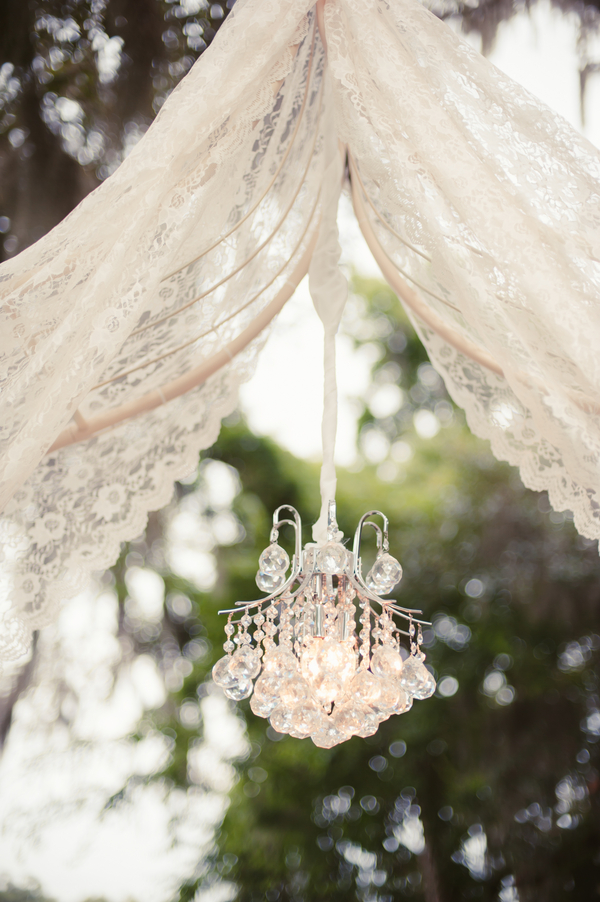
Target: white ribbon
(329, 291)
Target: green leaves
(494, 779)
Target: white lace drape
(489, 204)
(475, 196)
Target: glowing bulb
(309, 663)
(327, 688)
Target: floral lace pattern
(485, 200)
(213, 219)
(488, 204)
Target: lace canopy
(127, 330)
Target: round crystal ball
(281, 719)
(355, 719)
(388, 697)
(327, 688)
(366, 687)
(263, 707)
(306, 719)
(404, 702)
(385, 573)
(282, 662)
(293, 691)
(332, 558)
(329, 735)
(335, 657)
(240, 690)
(416, 679)
(267, 686)
(274, 559)
(222, 675)
(427, 687)
(244, 664)
(386, 661)
(269, 582)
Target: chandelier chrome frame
(322, 679)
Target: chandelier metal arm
(358, 536)
(268, 598)
(297, 524)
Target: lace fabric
(123, 310)
(479, 198)
(487, 203)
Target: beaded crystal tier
(315, 676)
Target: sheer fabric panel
(154, 273)
(488, 204)
(477, 197)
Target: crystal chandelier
(321, 679)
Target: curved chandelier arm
(378, 532)
(268, 598)
(297, 524)
(296, 562)
(406, 613)
(384, 546)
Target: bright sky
(54, 790)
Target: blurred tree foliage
(487, 791)
(80, 82)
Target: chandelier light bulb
(315, 674)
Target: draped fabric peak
(127, 330)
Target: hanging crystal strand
(243, 638)
(330, 607)
(420, 654)
(344, 623)
(286, 631)
(259, 619)
(411, 633)
(377, 631)
(229, 646)
(387, 627)
(365, 634)
(270, 628)
(306, 624)
(298, 623)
